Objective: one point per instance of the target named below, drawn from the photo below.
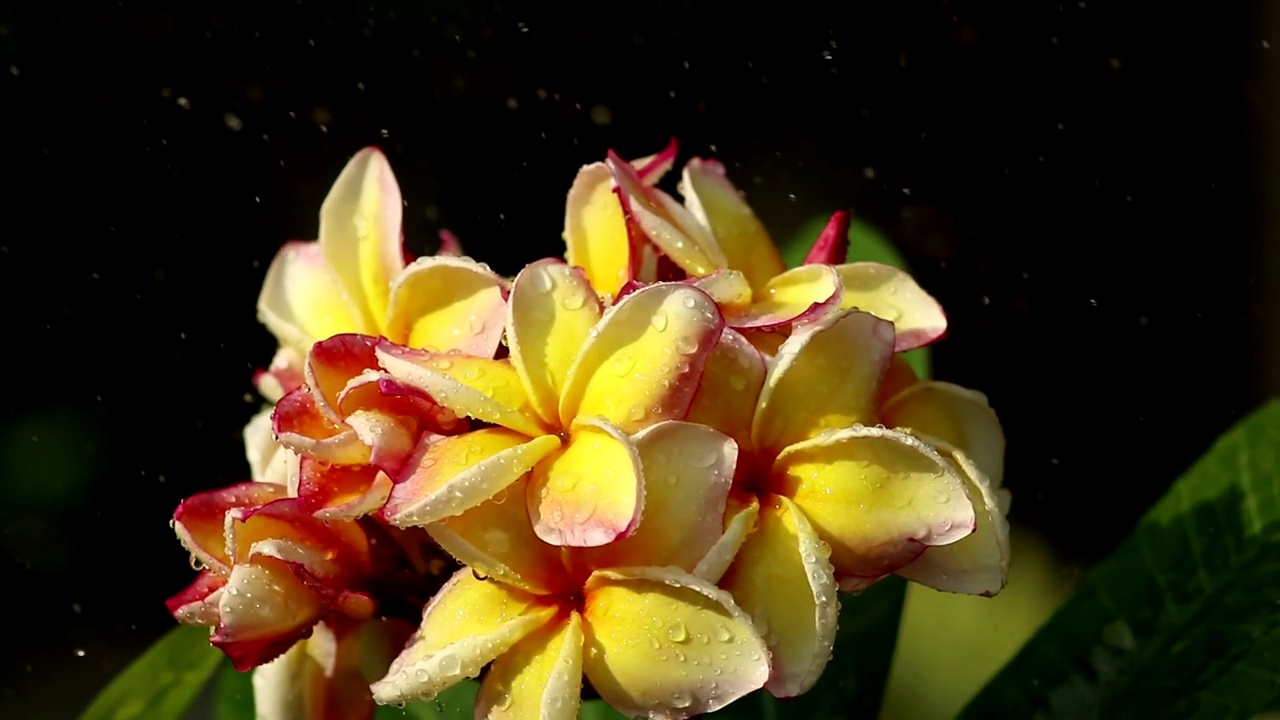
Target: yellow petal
(360, 233)
(797, 295)
(488, 390)
(661, 643)
(496, 539)
(782, 578)
(741, 512)
(540, 678)
(877, 496)
(447, 304)
(456, 473)
(667, 224)
(961, 417)
(730, 388)
(688, 469)
(979, 563)
(302, 301)
(551, 311)
(893, 295)
(464, 627)
(268, 459)
(717, 204)
(826, 375)
(595, 232)
(729, 288)
(590, 492)
(642, 363)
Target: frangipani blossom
(840, 499)
(715, 232)
(641, 618)
(354, 279)
(272, 570)
(353, 427)
(579, 381)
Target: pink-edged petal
(282, 376)
(961, 417)
(268, 459)
(718, 205)
(197, 604)
(977, 564)
(667, 224)
(892, 294)
(200, 520)
(832, 245)
(550, 315)
(729, 288)
(390, 439)
(661, 643)
(539, 677)
(826, 375)
(595, 231)
(481, 388)
(453, 474)
(782, 578)
(687, 469)
(740, 519)
(450, 245)
(652, 168)
(341, 492)
(333, 362)
(301, 426)
(332, 552)
(879, 497)
(302, 299)
(360, 233)
(379, 391)
(591, 491)
(445, 304)
(730, 387)
(466, 625)
(642, 363)
(262, 612)
(496, 539)
(797, 295)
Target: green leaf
(1183, 620)
(163, 682)
(866, 244)
(599, 710)
(456, 703)
(233, 694)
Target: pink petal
(832, 245)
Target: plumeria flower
(716, 239)
(579, 381)
(844, 488)
(272, 570)
(352, 427)
(640, 617)
(354, 279)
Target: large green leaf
(232, 694)
(866, 244)
(163, 682)
(1183, 620)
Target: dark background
(1082, 184)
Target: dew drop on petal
(723, 633)
(678, 632)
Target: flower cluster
(657, 463)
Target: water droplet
(79, 652)
(689, 302)
(942, 497)
(686, 345)
(542, 282)
(422, 675)
(450, 664)
(653, 642)
(723, 633)
(623, 365)
(574, 300)
(680, 656)
(659, 320)
(442, 364)
(681, 698)
(678, 632)
(636, 413)
(706, 459)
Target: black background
(1081, 184)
